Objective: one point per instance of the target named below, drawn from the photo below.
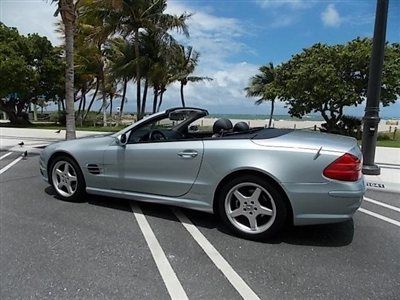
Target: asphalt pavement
(102, 248)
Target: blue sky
(235, 37)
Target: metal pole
(371, 118)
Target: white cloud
(218, 41)
(331, 17)
(35, 16)
(295, 4)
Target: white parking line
(237, 282)
(5, 155)
(172, 283)
(394, 222)
(382, 204)
(10, 165)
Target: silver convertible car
(254, 179)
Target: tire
(61, 178)
(252, 208)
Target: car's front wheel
(251, 207)
(67, 179)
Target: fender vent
(93, 169)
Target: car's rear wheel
(251, 207)
(67, 179)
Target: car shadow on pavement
(327, 235)
(106, 202)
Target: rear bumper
(321, 203)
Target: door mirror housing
(122, 139)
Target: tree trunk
(93, 98)
(111, 105)
(104, 105)
(62, 104)
(138, 75)
(271, 113)
(84, 103)
(182, 97)
(155, 90)
(80, 105)
(146, 87)
(121, 110)
(69, 80)
(161, 98)
(34, 112)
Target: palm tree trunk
(84, 103)
(62, 104)
(146, 87)
(137, 55)
(69, 81)
(182, 97)
(121, 111)
(111, 105)
(80, 106)
(271, 113)
(104, 105)
(93, 98)
(155, 99)
(161, 98)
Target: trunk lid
(312, 140)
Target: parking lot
(112, 248)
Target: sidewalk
(387, 158)
(33, 138)
(389, 179)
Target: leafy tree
(31, 71)
(264, 86)
(326, 79)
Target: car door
(160, 168)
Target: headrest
(222, 125)
(240, 127)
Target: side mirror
(122, 140)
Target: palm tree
(136, 15)
(68, 11)
(263, 85)
(120, 55)
(187, 60)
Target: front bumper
(320, 203)
(43, 170)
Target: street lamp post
(371, 117)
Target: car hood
(310, 140)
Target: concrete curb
(388, 180)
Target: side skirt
(185, 203)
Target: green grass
(389, 143)
(386, 139)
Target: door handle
(188, 154)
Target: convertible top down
(255, 179)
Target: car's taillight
(345, 168)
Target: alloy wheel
(250, 208)
(64, 178)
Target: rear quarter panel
(294, 163)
